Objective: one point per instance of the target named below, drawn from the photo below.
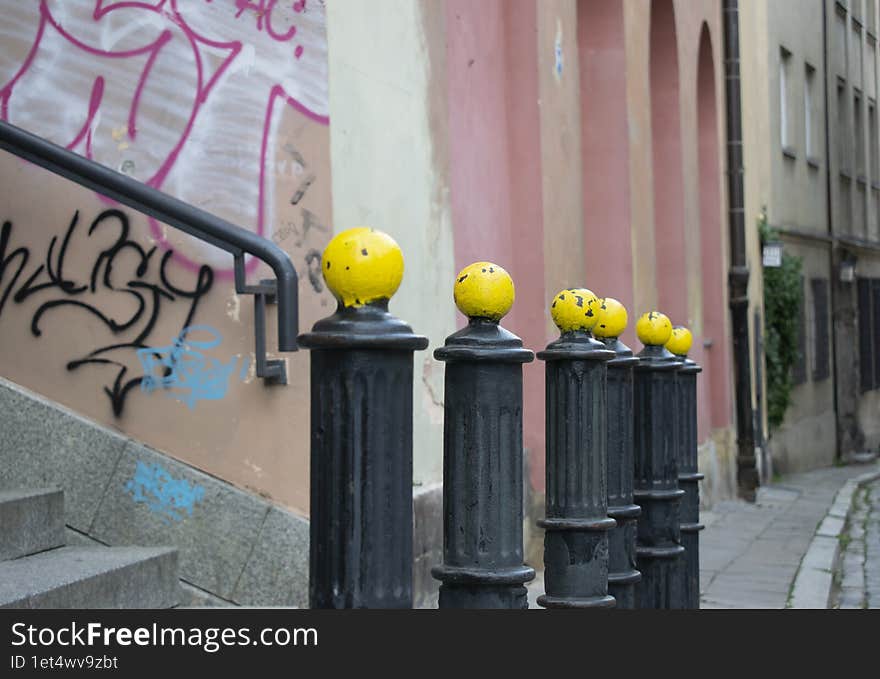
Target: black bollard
(688, 477)
(483, 450)
(577, 523)
(361, 519)
(622, 572)
(656, 491)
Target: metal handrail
(171, 211)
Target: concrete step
(91, 577)
(31, 521)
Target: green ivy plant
(783, 298)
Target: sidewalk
(859, 571)
(751, 554)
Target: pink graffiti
(263, 10)
(177, 27)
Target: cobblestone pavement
(859, 569)
(750, 553)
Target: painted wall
(465, 130)
(498, 126)
(855, 203)
(389, 149)
(224, 105)
(678, 208)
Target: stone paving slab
(858, 572)
(753, 553)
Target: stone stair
(37, 570)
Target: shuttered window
(866, 330)
(869, 333)
(821, 363)
(875, 330)
(799, 370)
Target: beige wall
(755, 90)
(560, 150)
(388, 144)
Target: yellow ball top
(574, 309)
(611, 318)
(483, 290)
(680, 341)
(362, 265)
(654, 328)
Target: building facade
(574, 142)
(811, 140)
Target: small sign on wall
(772, 254)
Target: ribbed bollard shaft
(576, 523)
(688, 475)
(656, 491)
(483, 453)
(361, 519)
(622, 572)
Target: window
(869, 333)
(799, 370)
(839, 40)
(859, 133)
(867, 344)
(809, 112)
(875, 328)
(821, 364)
(856, 68)
(844, 156)
(872, 142)
(785, 120)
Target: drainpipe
(833, 282)
(738, 274)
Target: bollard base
(624, 593)
(486, 597)
(660, 586)
(606, 601)
(474, 587)
(690, 567)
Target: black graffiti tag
(123, 268)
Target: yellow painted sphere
(483, 290)
(362, 265)
(654, 328)
(611, 318)
(574, 309)
(680, 341)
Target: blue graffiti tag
(162, 493)
(186, 374)
(559, 57)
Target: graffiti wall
(223, 104)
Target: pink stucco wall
(494, 156)
(667, 157)
(715, 384)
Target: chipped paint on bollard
(361, 519)
(656, 491)
(622, 572)
(577, 523)
(483, 450)
(689, 478)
